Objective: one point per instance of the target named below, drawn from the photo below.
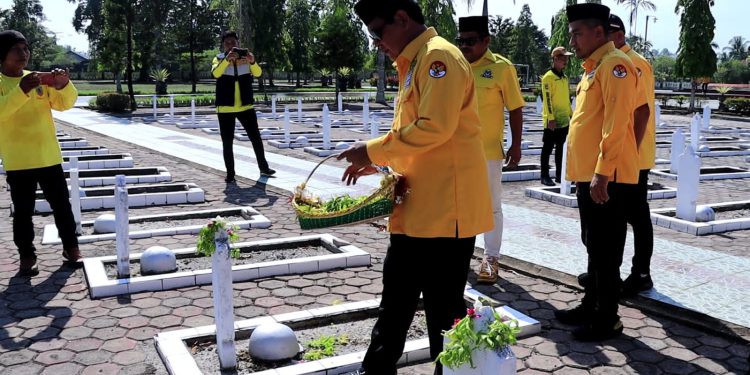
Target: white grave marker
(326, 128)
(221, 282)
(678, 146)
(366, 111)
(695, 132)
(706, 117)
(273, 106)
(375, 128)
(564, 183)
(287, 137)
(299, 109)
(153, 103)
(539, 105)
(171, 106)
(688, 179)
(340, 100)
(75, 194)
(122, 235)
(192, 112)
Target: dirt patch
(357, 334)
(733, 214)
(196, 262)
(166, 223)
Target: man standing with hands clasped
(435, 144)
(603, 162)
(556, 113)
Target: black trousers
(249, 121)
(639, 217)
(603, 231)
(553, 138)
(23, 195)
(437, 268)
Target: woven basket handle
(318, 165)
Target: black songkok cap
(8, 39)
(477, 24)
(579, 12)
(615, 23)
(368, 10)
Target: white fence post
(221, 282)
(122, 231)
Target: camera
(241, 52)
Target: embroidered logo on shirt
(488, 74)
(438, 69)
(619, 71)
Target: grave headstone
(375, 128)
(678, 146)
(171, 106)
(122, 235)
(326, 128)
(706, 117)
(192, 112)
(366, 111)
(153, 103)
(287, 138)
(221, 279)
(688, 179)
(657, 116)
(564, 183)
(158, 260)
(273, 106)
(299, 109)
(695, 132)
(539, 105)
(75, 194)
(340, 100)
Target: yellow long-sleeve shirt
(28, 138)
(646, 95)
(435, 143)
(556, 99)
(221, 67)
(601, 138)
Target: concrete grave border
(716, 176)
(659, 217)
(73, 152)
(162, 176)
(253, 219)
(525, 175)
(178, 360)
(551, 194)
(344, 255)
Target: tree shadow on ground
(650, 344)
(23, 309)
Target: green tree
(664, 66)
(559, 37)
(501, 32)
(196, 28)
(529, 44)
(439, 14)
(737, 48)
(695, 57)
(641, 46)
(26, 16)
(152, 47)
(300, 20)
(268, 25)
(339, 41)
(733, 71)
(634, 5)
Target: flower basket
(377, 205)
(500, 361)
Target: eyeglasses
(377, 34)
(467, 41)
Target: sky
(731, 19)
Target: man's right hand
(232, 56)
(551, 124)
(30, 82)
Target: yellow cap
(560, 51)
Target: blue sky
(730, 16)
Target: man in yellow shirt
(29, 148)
(435, 143)
(496, 84)
(603, 162)
(233, 71)
(556, 113)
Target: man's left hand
(61, 77)
(514, 156)
(357, 156)
(598, 189)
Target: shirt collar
(412, 49)
(559, 74)
(488, 56)
(593, 60)
(626, 48)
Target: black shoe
(636, 283)
(229, 179)
(583, 280)
(268, 172)
(28, 266)
(547, 181)
(575, 316)
(598, 332)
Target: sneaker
(598, 332)
(488, 270)
(72, 256)
(583, 280)
(28, 266)
(575, 316)
(636, 283)
(547, 181)
(268, 172)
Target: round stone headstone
(704, 148)
(662, 124)
(704, 214)
(301, 139)
(273, 342)
(105, 224)
(702, 138)
(342, 146)
(266, 132)
(157, 260)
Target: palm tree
(634, 5)
(737, 49)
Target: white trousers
(494, 238)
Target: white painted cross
(192, 112)
(287, 137)
(340, 101)
(75, 193)
(539, 105)
(299, 109)
(273, 106)
(564, 183)
(326, 128)
(153, 103)
(678, 147)
(688, 179)
(122, 231)
(706, 117)
(171, 106)
(221, 282)
(695, 132)
(366, 111)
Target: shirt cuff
(604, 168)
(376, 151)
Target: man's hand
(357, 155)
(232, 56)
(250, 58)
(551, 124)
(514, 156)
(30, 82)
(599, 189)
(61, 77)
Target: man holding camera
(234, 71)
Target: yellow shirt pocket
(487, 93)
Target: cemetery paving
(50, 325)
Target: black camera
(241, 52)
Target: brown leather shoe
(72, 255)
(28, 267)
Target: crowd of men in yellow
(449, 124)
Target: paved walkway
(706, 281)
